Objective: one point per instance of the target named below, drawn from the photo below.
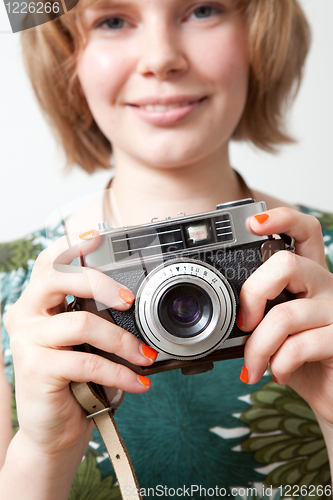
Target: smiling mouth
(160, 108)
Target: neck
(161, 192)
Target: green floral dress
(202, 436)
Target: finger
(299, 275)
(59, 368)
(93, 368)
(306, 347)
(284, 320)
(306, 230)
(61, 308)
(65, 250)
(80, 327)
(50, 288)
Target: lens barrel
(185, 310)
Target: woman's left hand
(295, 337)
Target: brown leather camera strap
(101, 410)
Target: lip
(166, 101)
(187, 104)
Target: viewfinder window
(198, 233)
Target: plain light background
(33, 184)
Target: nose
(161, 52)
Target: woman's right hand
(42, 333)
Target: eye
(112, 23)
(204, 12)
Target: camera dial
(185, 308)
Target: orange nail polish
(275, 379)
(148, 352)
(240, 319)
(89, 235)
(261, 218)
(144, 380)
(126, 295)
(244, 376)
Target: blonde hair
(278, 42)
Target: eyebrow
(105, 4)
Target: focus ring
(181, 272)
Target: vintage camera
(186, 274)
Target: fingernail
(240, 319)
(126, 295)
(275, 379)
(261, 218)
(143, 380)
(89, 235)
(148, 352)
(244, 376)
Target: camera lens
(185, 310)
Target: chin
(175, 153)
(171, 162)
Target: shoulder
(17, 259)
(15, 254)
(86, 218)
(326, 221)
(272, 202)
(325, 218)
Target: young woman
(165, 85)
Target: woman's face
(166, 80)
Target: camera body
(186, 274)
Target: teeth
(160, 107)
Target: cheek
(226, 62)
(100, 73)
